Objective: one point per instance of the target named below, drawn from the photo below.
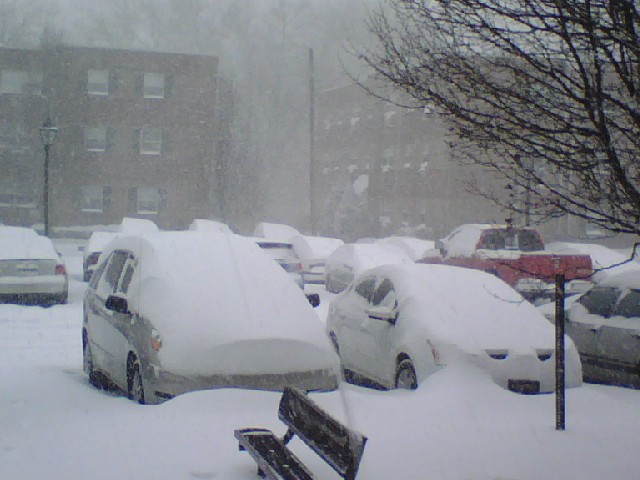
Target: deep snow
(458, 425)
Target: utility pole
(312, 147)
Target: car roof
(625, 279)
(18, 243)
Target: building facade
(385, 170)
(136, 136)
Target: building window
(95, 138)
(98, 82)
(26, 83)
(151, 141)
(148, 200)
(153, 85)
(91, 198)
(14, 197)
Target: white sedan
(397, 324)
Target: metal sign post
(560, 377)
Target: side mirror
(314, 299)
(385, 314)
(117, 304)
(439, 244)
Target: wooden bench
(337, 445)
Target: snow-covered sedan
(174, 312)
(31, 270)
(397, 324)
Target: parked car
(174, 312)
(31, 270)
(92, 251)
(313, 253)
(604, 323)
(206, 225)
(517, 255)
(284, 254)
(99, 239)
(397, 324)
(349, 260)
(414, 247)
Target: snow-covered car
(313, 252)
(397, 324)
(284, 255)
(206, 225)
(92, 250)
(31, 270)
(604, 323)
(174, 312)
(349, 260)
(98, 239)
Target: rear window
(510, 239)
(629, 306)
(599, 300)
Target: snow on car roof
(624, 279)
(414, 247)
(277, 231)
(99, 239)
(205, 290)
(24, 243)
(470, 308)
(205, 225)
(137, 226)
(363, 256)
(310, 247)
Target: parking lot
(457, 425)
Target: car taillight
(61, 269)
(299, 268)
(93, 258)
(156, 340)
(497, 354)
(544, 355)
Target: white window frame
(153, 85)
(12, 197)
(95, 138)
(98, 82)
(21, 82)
(150, 141)
(92, 198)
(147, 200)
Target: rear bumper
(37, 285)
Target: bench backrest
(339, 446)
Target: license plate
(526, 387)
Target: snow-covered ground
(457, 426)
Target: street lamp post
(47, 135)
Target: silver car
(174, 312)
(31, 270)
(604, 323)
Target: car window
(127, 275)
(511, 239)
(365, 288)
(95, 278)
(109, 279)
(629, 305)
(599, 300)
(385, 294)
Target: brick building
(136, 135)
(402, 156)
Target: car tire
(406, 375)
(135, 383)
(87, 363)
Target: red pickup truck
(516, 255)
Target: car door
(585, 319)
(351, 316)
(619, 341)
(103, 334)
(122, 324)
(378, 333)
